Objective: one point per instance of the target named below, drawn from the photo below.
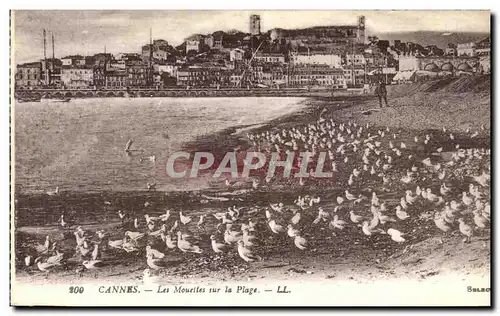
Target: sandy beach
(332, 256)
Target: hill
(464, 84)
(440, 39)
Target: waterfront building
(73, 60)
(116, 64)
(99, 74)
(116, 78)
(269, 74)
(77, 77)
(317, 76)
(28, 75)
(274, 76)
(359, 77)
(203, 77)
(138, 74)
(51, 72)
(236, 78)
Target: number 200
(76, 289)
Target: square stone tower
(255, 24)
(360, 36)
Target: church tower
(360, 36)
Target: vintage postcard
(250, 158)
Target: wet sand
(348, 255)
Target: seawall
(172, 93)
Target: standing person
(381, 92)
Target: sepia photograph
(250, 158)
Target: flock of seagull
(376, 158)
(386, 183)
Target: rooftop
(317, 70)
(77, 67)
(30, 65)
(195, 37)
(117, 72)
(270, 54)
(73, 57)
(316, 53)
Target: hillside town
(329, 57)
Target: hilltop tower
(255, 24)
(360, 36)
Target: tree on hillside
(191, 53)
(373, 40)
(181, 47)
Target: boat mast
(353, 68)
(53, 51)
(45, 68)
(250, 63)
(105, 66)
(150, 77)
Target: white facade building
(194, 44)
(357, 59)
(270, 58)
(170, 69)
(73, 60)
(408, 63)
(468, 49)
(331, 60)
(76, 77)
(116, 64)
(236, 54)
(66, 61)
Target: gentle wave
(80, 145)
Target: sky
(87, 32)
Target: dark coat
(381, 90)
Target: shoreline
(229, 138)
(183, 93)
(348, 256)
(226, 139)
